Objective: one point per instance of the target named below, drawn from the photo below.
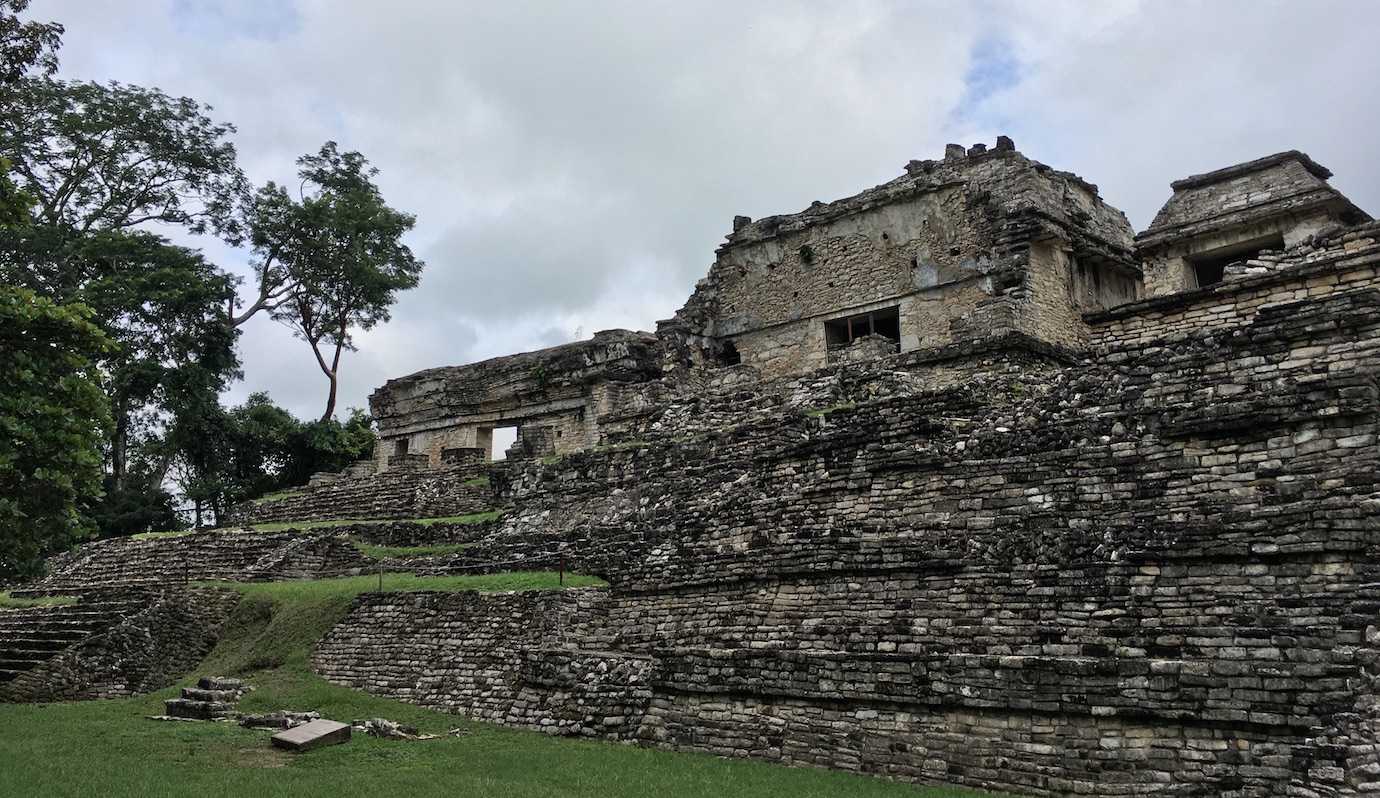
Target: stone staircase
(213, 698)
(31, 636)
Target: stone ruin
(957, 480)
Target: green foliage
(25, 47)
(328, 445)
(113, 157)
(52, 419)
(14, 204)
(132, 509)
(331, 261)
(162, 305)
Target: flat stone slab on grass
(312, 735)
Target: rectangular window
(839, 333)
(1210, 267)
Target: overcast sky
(573, 165)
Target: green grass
(384, 552)
(344, 589)
(109, 748)
(278, 496)
(824, 411)
(159, 535)
(10, 602)
(473, 518)
(477, 482)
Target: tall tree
(331, 260)
(114, 157)
(100, 162)
(160, 303)
(51, 416)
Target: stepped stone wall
(1153, 568)
(147, 649)
(397, 493)
(212, 555)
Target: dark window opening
(729, 355)
(400, 447)
(1210, 267)
(886, 322)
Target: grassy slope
(109, 748)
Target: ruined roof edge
(601, 336)
(1236, 170)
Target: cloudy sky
(573, 165)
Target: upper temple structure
(983, 244)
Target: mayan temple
(958, 480)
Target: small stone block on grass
(316, 734)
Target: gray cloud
(573, 166)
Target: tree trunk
(119, 442)
(332, 371)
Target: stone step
(16, 636)
(198, 710)
(67, 621)
(21, 664)
(29, 653)
(219, 683)
(200, 694)
(7, 674)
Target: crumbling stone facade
(553, 397)
(1131, 551)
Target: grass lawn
(109, 748)
(383, 552)
(10, 602)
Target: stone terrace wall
(1153, 571)
(396, 493)
(499, 657)
(214, 555)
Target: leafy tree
(331, 260)
(14, 204)
(226, 457)
(139, 507)
(161, 304)
(52, 414)
(114, 157)
(25, 46)
(327, 445)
